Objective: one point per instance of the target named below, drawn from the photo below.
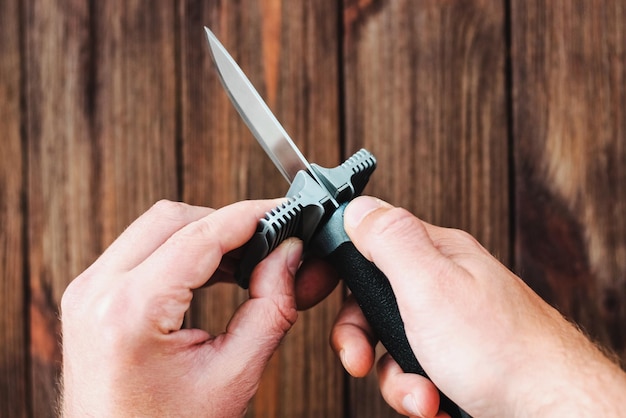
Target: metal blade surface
(256, 114)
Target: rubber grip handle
(374, 294)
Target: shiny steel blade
(253, 110)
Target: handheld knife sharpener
(309, 206)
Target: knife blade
(327, 236)
(256, 114)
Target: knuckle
(74, 295)
(285, 315)
(114, 315)
(169, 209)
(201, 231)
(200, 241)
(398, 223)
(464, 238)
(102, 315)
(69, 299)
(288, 312)
(205, 227)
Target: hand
(124, 351)
(484, 338)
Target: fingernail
(344, 360)
(294, 255)
(410, 406)
(360, 207)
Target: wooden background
(504, 118)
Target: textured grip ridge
(283, 221)
(362, 164)
(297, 217)
(280, 223)
(347, 180)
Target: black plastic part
(347, 180)
(374, 294)
(310, 204)
(298, 217)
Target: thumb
(401, 246)
(260, 323)
(393, 238)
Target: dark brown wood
(426, 93)
(107, 107)
(13, 376)
(569, 104)
(289, 51)
(101, 112)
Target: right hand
(481, 334)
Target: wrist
(572, 377)
(98, 394)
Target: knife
(314, 211)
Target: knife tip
(208, 32)
(214, 43)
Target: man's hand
(125, 353)
(484, 338)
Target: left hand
(124, 351)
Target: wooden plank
(101, 137)
(425, 92)
(289, 51)
(569, 75)
(13, 382)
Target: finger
(409, 394)
(315, 280)
(275, 278)
(225, 272)
(258, 326)
(190, 256)
(397, 242)
(148, 232)
(353, 339)
(185, 261)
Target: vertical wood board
(425, 87)
(101, 141)
(13, 381)
(569, 104)
(107, 107)
(289, 52)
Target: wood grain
(570, 134)
(13, 375)
(289, 52)
(107, 107)
(101, 146)
(425, 92)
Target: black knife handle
(374, 294)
